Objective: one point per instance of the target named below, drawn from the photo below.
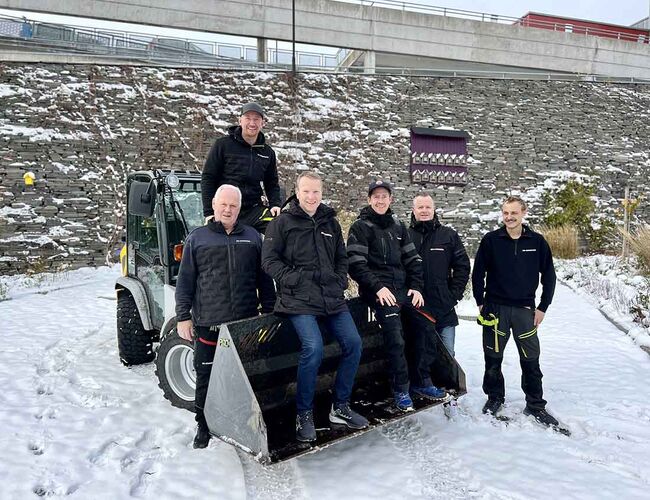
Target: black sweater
(233, 161)
(513, 269)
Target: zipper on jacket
(231, 273)
(516, 247)
(383, 249)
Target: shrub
(639, 242)
(562, 239)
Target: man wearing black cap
(243, 159)
(383, 260)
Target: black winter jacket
(306, 257)
(513, 269)
(381, 254)
(220, 275)
(233, 161)
(445, 266)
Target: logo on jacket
(437, 249)
(262, 156)
(529, 249)
(326, 234)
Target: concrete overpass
(373, 30)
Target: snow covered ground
(75, 423)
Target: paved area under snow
(76, 423)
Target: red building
(583, 27)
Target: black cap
(252, 106)
(379, 184)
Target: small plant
(639, 242)
(562, 239)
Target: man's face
(513, 214)
(309, 194)
(251, 123)
(423, 208)
(380, 200)
(226, 208)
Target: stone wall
(81, 128)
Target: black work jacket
(381, 254)
(232, 160)
(220, 275)
(513, 269)
(306, 257)
(445, 267)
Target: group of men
(406, 275)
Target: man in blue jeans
(305, 254)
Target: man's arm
(548, 279)
(460, 269)
(185, 291)
(265, 287)
(272, 184)
(272, 252)
(478, 273)
(211, 177)
(412, 262)
(358, 259)
(341, 257)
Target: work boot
(305, 429)
(542, 416)
(342, 414)
(492, 407)
(429, 392)
(403, 401)
(202, 437)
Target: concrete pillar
(261, 50)
(369, 62)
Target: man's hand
(275, 211)
(539, 317)
(386, 297)
(185, 330)
(417, 300)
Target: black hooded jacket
(232, 160)
(381, 254)
(220, 276)
(445, 266)
(306, 257)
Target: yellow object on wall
(29, 178)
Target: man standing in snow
(385, 263)
(445, 266)
(218, 281)
(304, 252)
(242, 158)
(506, 275)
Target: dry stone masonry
(80, 129)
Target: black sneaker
(202, 437)
(342, 414)
(492, 407)
(542, 416)
(305, 429)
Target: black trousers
(205, 344)
(257, 216)
(406, 346)
(519, 321)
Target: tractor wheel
(135, 344)
(175, 370)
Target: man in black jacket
(506, 274)
(218, 281)
(385, 263)
(242, 158)
(445, 265)
(304, 252)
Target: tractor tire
(175, 370)
(134, 343)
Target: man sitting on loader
(305, 254)
(218, 281)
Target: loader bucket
(251, 396)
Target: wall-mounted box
(439, 156)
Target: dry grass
(639, 242)
(563, 240)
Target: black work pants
(205, 344)
(519, 321)
(257, 216)
(402, 339)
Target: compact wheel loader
(251, 395)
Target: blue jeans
(345, 331)
(448, 335)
